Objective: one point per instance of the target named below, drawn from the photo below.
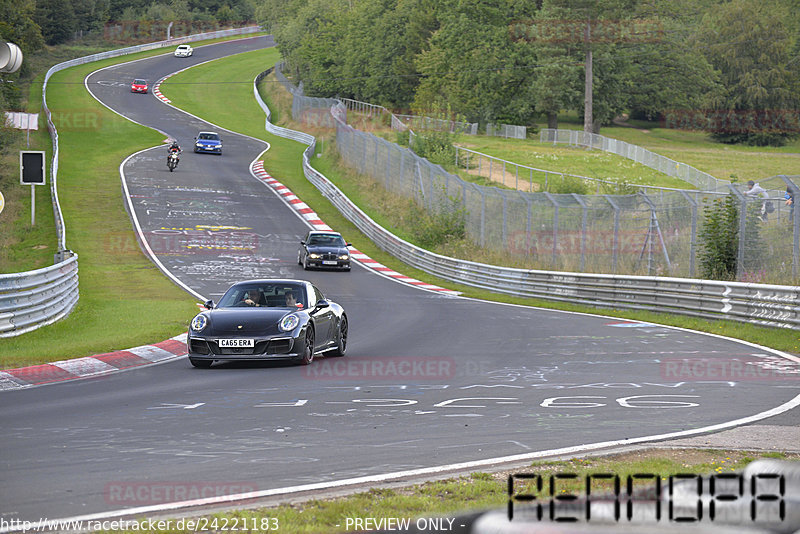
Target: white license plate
(236, 343)
(329, 262)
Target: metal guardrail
(762, 304)
(32, 299)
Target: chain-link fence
(664, 232)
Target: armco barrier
(33, 299)
(763, 304)
(37, 298)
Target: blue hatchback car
(208, 142)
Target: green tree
(669, 70)
(556, 80)
(472, 65)
(719, 239)
(57, 20)
(750, 43)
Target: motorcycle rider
(174, 148)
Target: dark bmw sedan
(268, 320)
(325, 250)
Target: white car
(184, 50)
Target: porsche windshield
(271, 295)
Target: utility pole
(587, 97)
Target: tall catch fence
(653, 232)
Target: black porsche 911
(268, 320)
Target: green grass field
(727, 162)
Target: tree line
(32, 23)
(731, 67)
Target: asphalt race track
(429, 379)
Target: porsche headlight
(199, 322)
(289, 323)
(315, 256)
(344, 256)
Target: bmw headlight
(344, 256)
(289, 323)
(199, 322)
(315, 256)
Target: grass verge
(478, 491)
(737, 163)
(125, 301)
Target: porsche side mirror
(348, 244)
(208, 304)
(322, 303)
(302, 242)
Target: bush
(566, 185)
(444, 226)
(435, 146)
(719, 239)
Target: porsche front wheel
(307, 356)
(341, 338)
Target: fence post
(615, 245)
(553, 200)
(505, 219)
(742, 230)
(693, 237)
(584, 213)
(528, 226)
(795, 222)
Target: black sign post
(31, 172)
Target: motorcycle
(172, 161)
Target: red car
(139, 86)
